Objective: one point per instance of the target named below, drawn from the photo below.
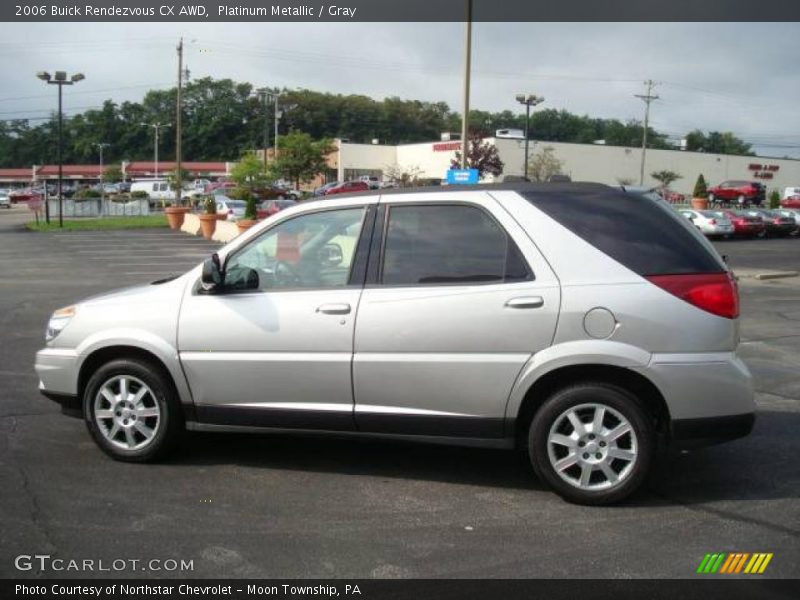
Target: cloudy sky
(729, 77)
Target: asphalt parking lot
(274, 506)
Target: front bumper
(57, 369)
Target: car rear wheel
(591, 443)
(131, 411)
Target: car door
(280, 355)
(457, 300)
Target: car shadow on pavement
(758, 467)
(361, 457)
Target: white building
(582, 162)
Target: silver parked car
(711, 223)
(582, 323)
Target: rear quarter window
(644, 235)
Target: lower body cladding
(709, 397)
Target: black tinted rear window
(645, 235)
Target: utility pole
(277, 117)
(100, 147)
(648, 98)
(263, 95)
(467, 68)
(178, 111)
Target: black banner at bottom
(422, 589)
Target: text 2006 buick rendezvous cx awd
(580, 322)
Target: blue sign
(462, 176)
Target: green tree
(300, 158)
(665, 178)
(544, 164)
(249, 173)
(717, 143)
(112, 174)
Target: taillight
(712, 222)
(716, 293)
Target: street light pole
(156, 126)
(528, 101)
(59, 79)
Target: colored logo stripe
(721, 562)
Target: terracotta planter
(175, 215)
(245, 224)
(208, 223)
(700, 203)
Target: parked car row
(752, 222)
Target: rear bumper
(709, 396)
(692, 433)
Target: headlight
(58, 320)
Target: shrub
(209, 206)
(700, 188)
(250, 209)
(140, 194)
(86, 194)
(774, 199)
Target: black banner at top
(398, 10)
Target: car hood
(139, 293)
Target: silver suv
(585, 324)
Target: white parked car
(5, 200)
(233, 208)
(371, 180)
(709, 222)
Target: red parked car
(738, 192)
(347, 187)
(743, 224)
(270, 207)
(791, 201)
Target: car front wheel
(591, 443)
(131, 411)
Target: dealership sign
(462, 176)
(763, 171)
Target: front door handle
(525, 302)
(334, 309)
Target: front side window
(312, 251)
(448, 244)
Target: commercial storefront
(582, 162)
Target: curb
(775, 275)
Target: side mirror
(331, 255)
(212, 276)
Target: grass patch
(99, 224)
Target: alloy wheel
(126, 412)
(592, 447)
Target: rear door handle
(525, 302)
(334, 309)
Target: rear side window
(448, 244)
(646, 236)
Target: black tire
(170, 424)
(596, 393)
